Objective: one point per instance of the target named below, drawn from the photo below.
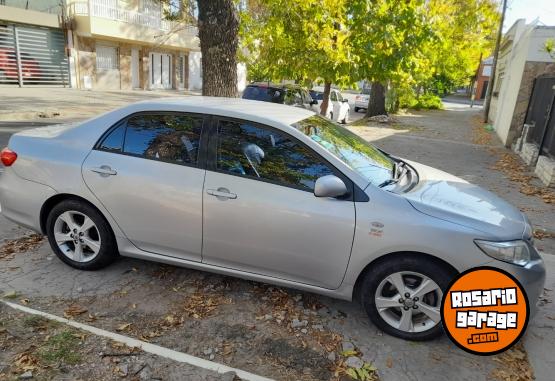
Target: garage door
(32, 56)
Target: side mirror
(330, 186)
(345, 100)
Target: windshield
(353, 150)
(266, 94)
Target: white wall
(195, 73)
(527, 47)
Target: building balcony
(96, 18)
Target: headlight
(516, 252)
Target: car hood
(453, 199)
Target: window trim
(203, 142)
(212, 157)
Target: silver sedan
(264, 192)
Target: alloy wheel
(409, 301)
(77, 236)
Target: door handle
(104, 170)
(221, 193)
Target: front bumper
(531, 277)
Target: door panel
(166, 70)
(145, 173)
(155, 70)
(135, 68)
(157, 205)
(277, 231)
(251, 223)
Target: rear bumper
(21, 200)
(359, 104)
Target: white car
(362, 99)
(338, 107)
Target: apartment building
(127, 44)
(96, 44)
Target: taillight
(358, 98)
(8, 157)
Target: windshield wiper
(399, 170)
(388, 182)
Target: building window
(107, 58)
(180, 68)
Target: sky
(530, 10)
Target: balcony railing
(99, 8)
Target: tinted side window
(114, 141)
(333, 96)
(248, 150)
(172, 138)
(266, 94)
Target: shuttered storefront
(31, 56)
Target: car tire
(379, 281)
(356, 109)
(346, 119)
(96, 245)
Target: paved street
(247, 325)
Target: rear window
(266, 94)
(316, 95)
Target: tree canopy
(410, 45)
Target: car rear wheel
(80, 236)
(403, 296)
(346, 119)
(356, 109)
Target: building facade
(127, 44)
(522, 58)
(482, 78)
(96, 44)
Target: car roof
(257, 111)
(276, 85)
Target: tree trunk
(326, 99)
(218, 28)
(376, 103)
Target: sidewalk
(32, 103)
(455, 141)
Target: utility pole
(491, 83)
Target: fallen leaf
(123, 327)
(74, 310)
(10, 294)
(389, 362)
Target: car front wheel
(80, 236)
(402, 296)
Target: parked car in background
(265, 192)
(338, 107)
(8, 66)
(361, 100)
(288, 94)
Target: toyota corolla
(266, 192)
